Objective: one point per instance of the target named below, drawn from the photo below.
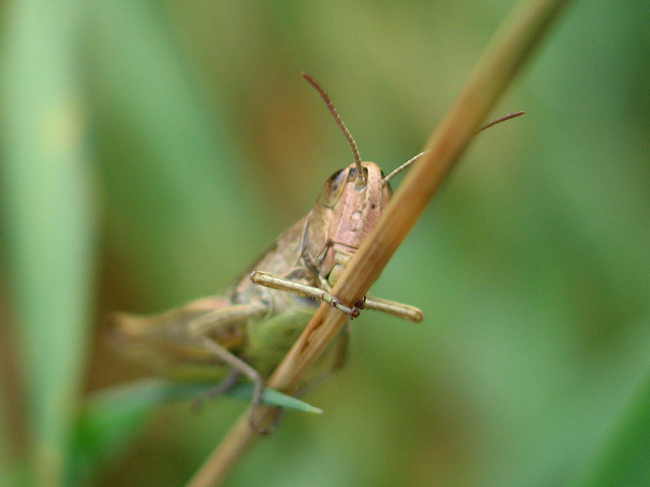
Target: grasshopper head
(348, 208)
(346, 211)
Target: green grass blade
(113, 416)
(624, 457)
(48, 224)
(167, 158)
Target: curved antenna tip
(360, 181)
(501, 119)
(387, 179)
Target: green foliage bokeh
(149, 151)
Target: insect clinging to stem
(247, 330)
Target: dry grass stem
(514, 42)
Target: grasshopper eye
(334, 187)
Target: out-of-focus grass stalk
(48, 190)
(622, 457)
(512, 46)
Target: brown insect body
(251, 327)
(260, 324)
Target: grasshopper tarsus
(335, 302)
(258, 394)
(272, 425)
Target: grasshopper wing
(171, 343)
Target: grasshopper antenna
(360, 182)
(387, 179)
(501, 119)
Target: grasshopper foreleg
(282, 284)
(392, 308)
(378, 304)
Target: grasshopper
(250, 328)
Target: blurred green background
(150, 150)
